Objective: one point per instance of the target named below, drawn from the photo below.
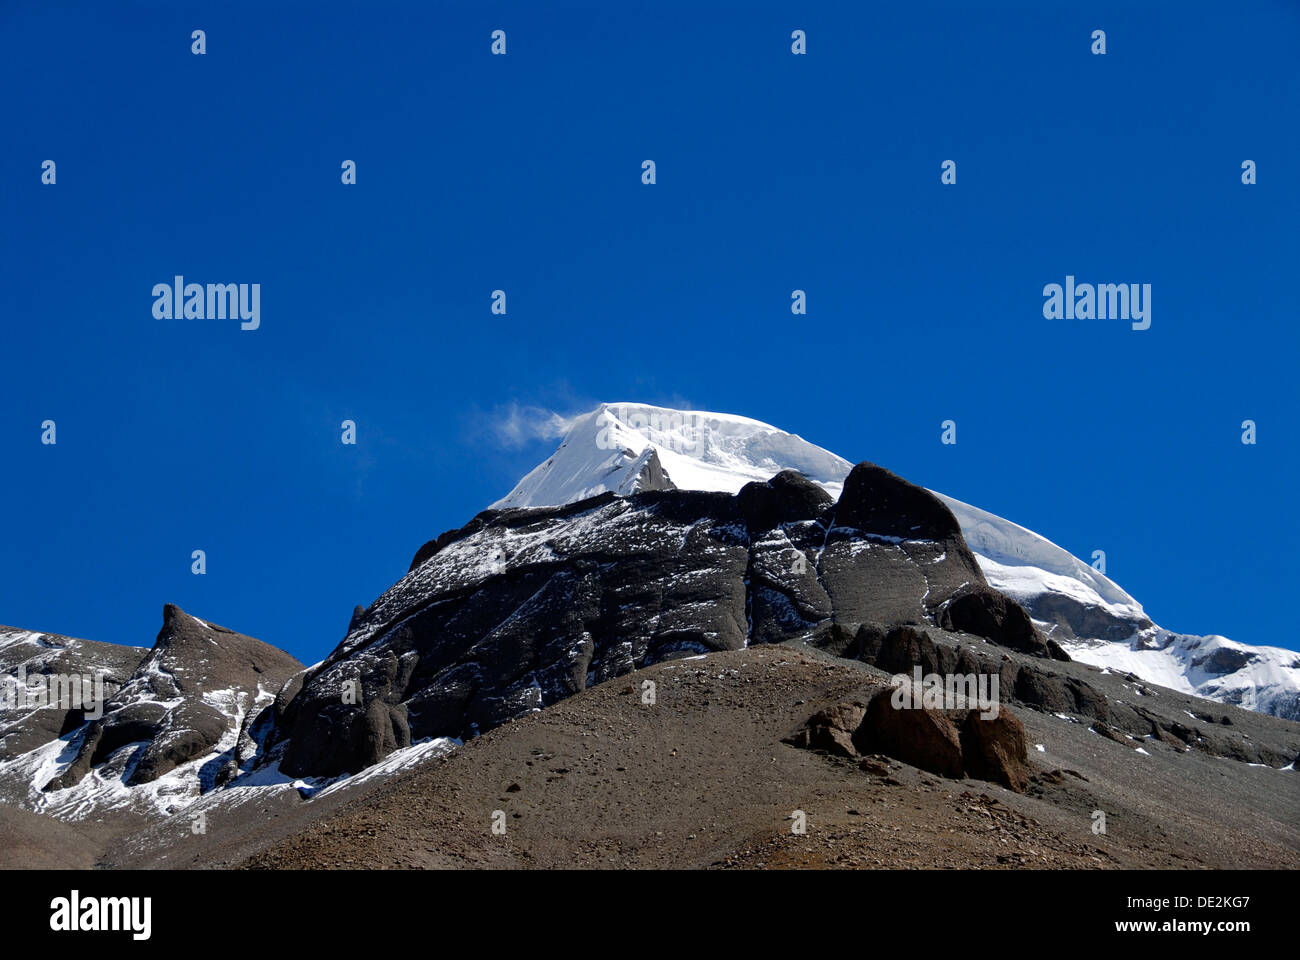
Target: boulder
(994, 749)
(831, 729)
(921, 738)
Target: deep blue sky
(522, 172)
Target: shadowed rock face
(198, 685)
(652, 475)
(1224, 661)
(525, 607)
(1070, 619)
(984, 612)
(923, 738)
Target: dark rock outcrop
(900, 648)
(1224, 660)
(1110, 733)
(789, 497)
(1053, 693)
(880, 501)
(524, 607)
(1071, 618)
(981, 610)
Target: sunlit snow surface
(607, 449)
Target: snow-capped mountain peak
(628, 448)
(631, 447)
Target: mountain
(653, 628)
(626, 447)
(175, 721)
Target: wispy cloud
(515, 425)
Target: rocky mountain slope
(183, 720)
(28, 660)
(525, 607)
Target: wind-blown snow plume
(515, 425)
